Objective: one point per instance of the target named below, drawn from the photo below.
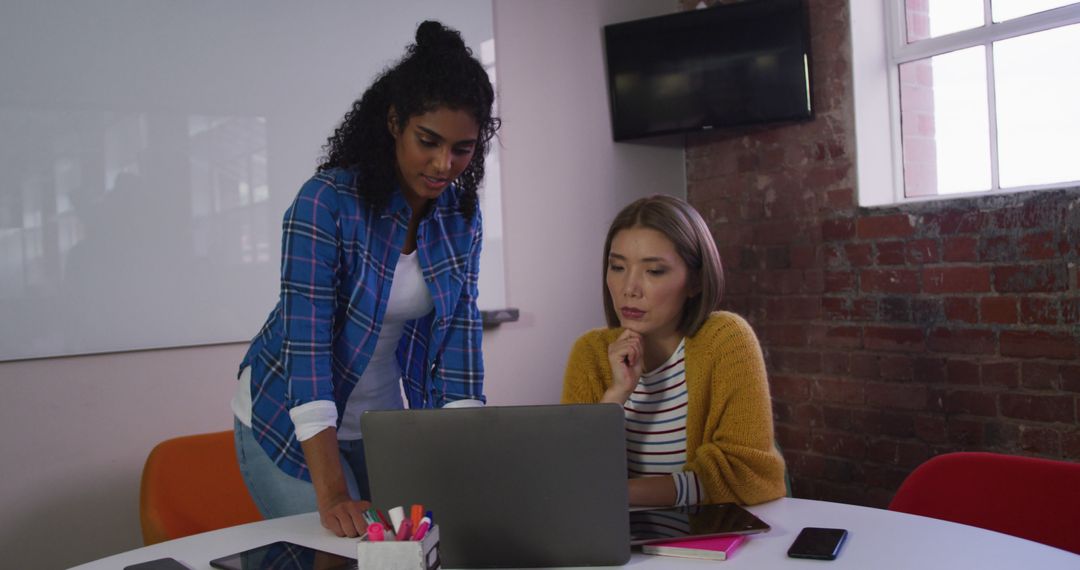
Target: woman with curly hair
(380, 254)
(690, 379)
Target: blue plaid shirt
(337, 263)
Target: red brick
(930, 429)
(784, 335)
(838, 390)
(1044, 278)
(1039, 311)
(864, 309)
(839, 445)
(960, 222)
(920, 251)
(887, 477)
(912, 454)
(1039, 375)
(836, 308)
(1070, 445)
(956, 279)
(859, 254)
(963, 372)
(777, 233)
(1004, 374)
(960, 248)
(929, 370)
(837, 336)
(791, 388)
(896, 395)
(1038, 408)
(890, 253)
(1039, 246)
(840, 199)
(963, 341)
(900, 281)
(791, 439)
(961, 309)
(835, 362)
(966, 432)
(875, 421)
(1038, 344)
(1070, 378)
(779, 281)
(865, 366)
(877, 227)
(997, 248)
(837, 230)
(804, 256)
(806, 415)
(998, 310)
(839, 282)
(837, 418)
(792, 361)
(971, 402)
(893, 338)
(897, 367)
(1040, 440)
(1070, 311)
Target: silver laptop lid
(516, 486)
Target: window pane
(932, 18)
(1038, 116)
(1008, 9)
(944, 124)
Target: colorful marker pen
(416, 514)
(421, 530)
(397, 514)
(403, 532)
(375, 532)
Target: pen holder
(403, 554)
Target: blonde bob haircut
(683, 225)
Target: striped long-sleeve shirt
(656, 428)
(338, 259)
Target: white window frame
(877, 26)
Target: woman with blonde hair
(691, 379)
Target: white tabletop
(878, 540)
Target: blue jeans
(278, 494)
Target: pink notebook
(713, 548)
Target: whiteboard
(149, 148)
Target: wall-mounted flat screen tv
(733, 64)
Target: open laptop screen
(515, 486)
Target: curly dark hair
(437, 71)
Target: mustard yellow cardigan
(729, 428)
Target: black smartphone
(284, 556)
(818, 543)
(159, 564)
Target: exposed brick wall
(891, 334)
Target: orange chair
(1028, 497)
(192, 484)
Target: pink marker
(403, 531)
(422, 528)
(375, 532)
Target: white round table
(878, 540)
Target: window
(975, 96)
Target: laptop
(514, 486)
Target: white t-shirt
(379, 387)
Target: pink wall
(78, 429)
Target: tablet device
(698, 521)
(284, 556)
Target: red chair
(192, 484)
(1028, 497)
